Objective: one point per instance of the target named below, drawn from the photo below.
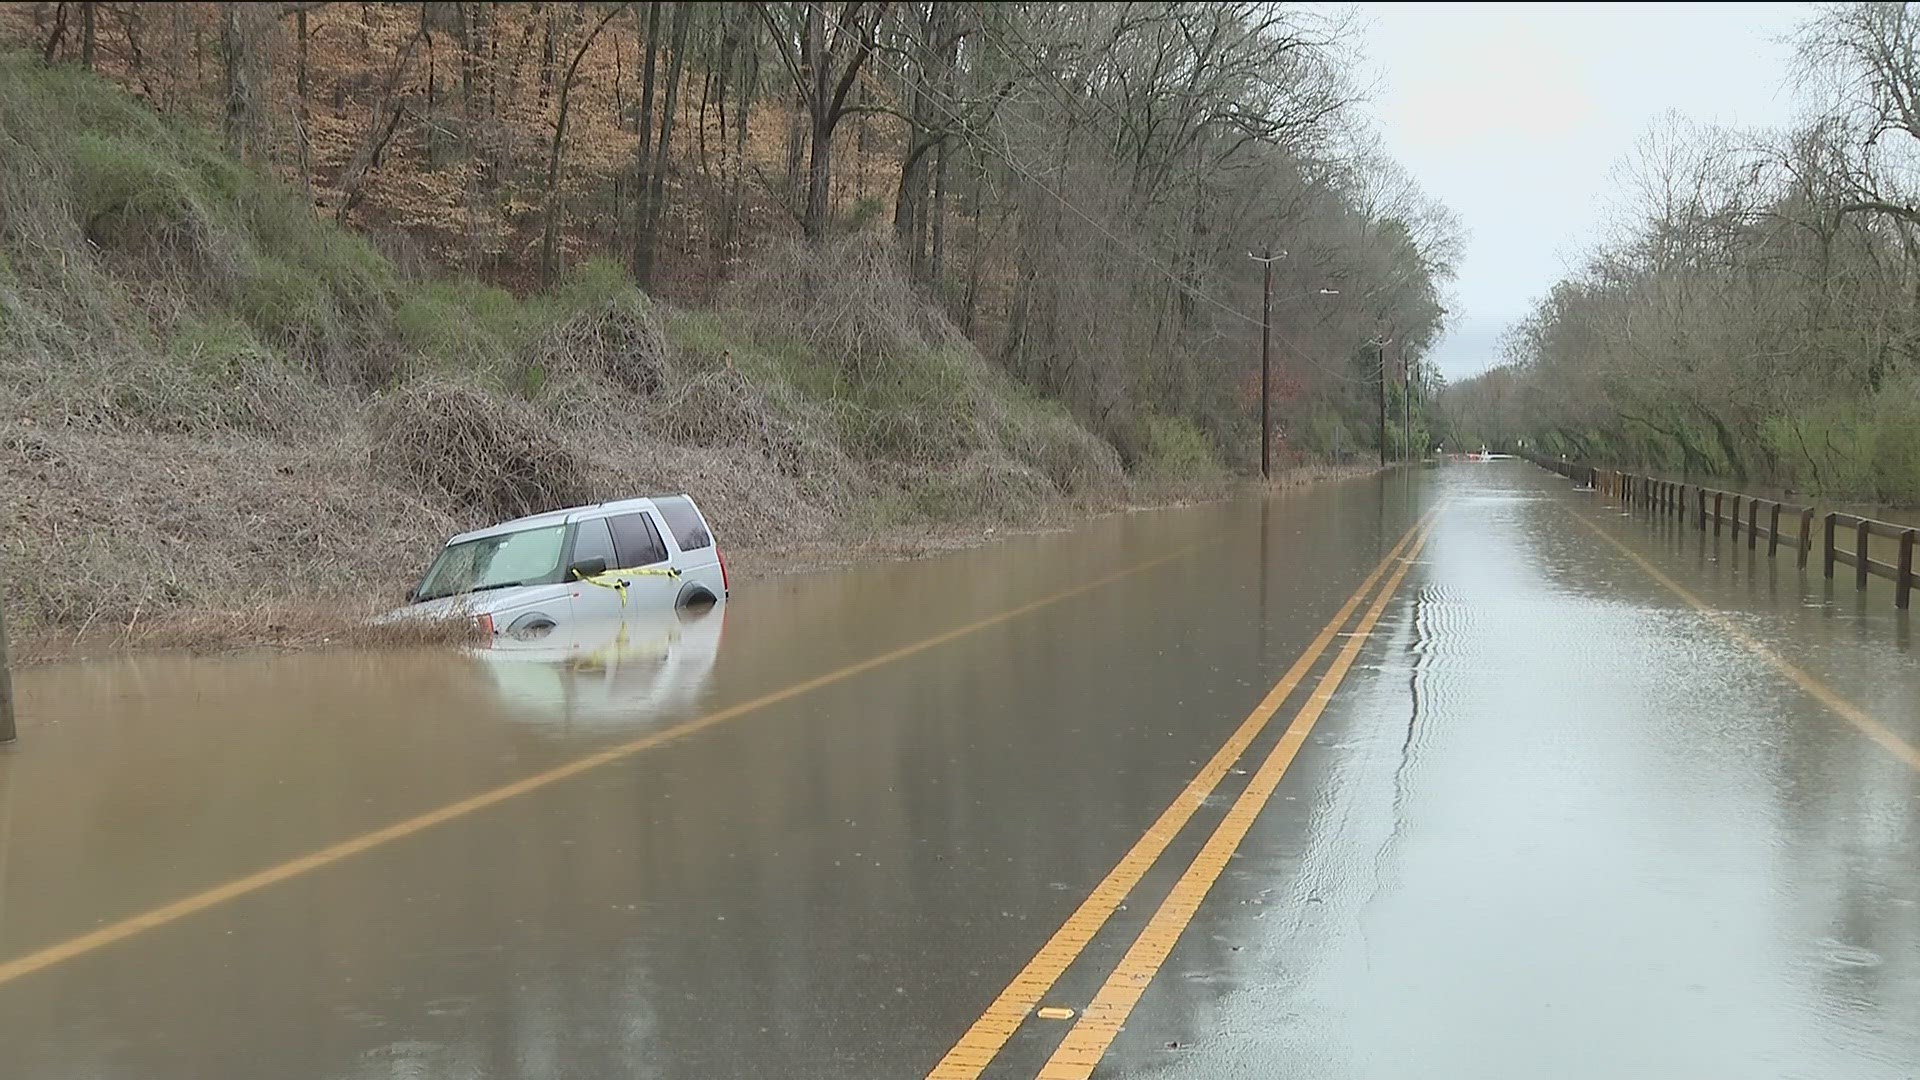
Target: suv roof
(563, 516)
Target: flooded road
(1513, 804)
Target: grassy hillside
(209, 398)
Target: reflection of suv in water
(608, 675)
(608, 561)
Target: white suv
(525, 577)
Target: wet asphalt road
(1552, 820)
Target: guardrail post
(1806, 539)
(1716, 513)
(1830, 523)
(1753, 521)
(1700, 496)
(1903, 576)
(1773, 530)
(1860, 555)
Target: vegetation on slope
(1077, 185)
(210, 397)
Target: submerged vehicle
(606, 561)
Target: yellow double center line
(1081, 1050)
(985, 1038)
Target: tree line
(1755, 314)
(1077, 185)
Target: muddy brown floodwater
(1537, 813)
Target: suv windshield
(527, 557)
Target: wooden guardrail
(1711, 507)
(1862, 560)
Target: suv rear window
(637, 541)
(688, 530)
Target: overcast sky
(1514, 115)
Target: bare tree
(553, 206)
(824, 61)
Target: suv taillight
(726, 587)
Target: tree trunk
(136, 55)
(86, 36)
(643, 156)
(433, 127)
(910, 192)
(469, 31)
(546, 55)
(750, 77)
(655, 202)
(819, 180)
(300, 60)
(233, 47)
(975, 255)
(52, 47)
(939, 215)
(796, 152)
(814, 56)
(382, 123)
(555, 207)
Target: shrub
(614, 341)
(480, 451)
(1176, 449)
(985, 485)
(848, 299)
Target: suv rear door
(641, 561)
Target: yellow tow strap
(616, 579)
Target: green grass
(458, 323)
(1177, 449)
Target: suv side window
(592, 540)
(688, 530)
(637, 540)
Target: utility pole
(1265, 259)
(1380, 354)
(1406, 403)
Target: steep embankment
(211, 400)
